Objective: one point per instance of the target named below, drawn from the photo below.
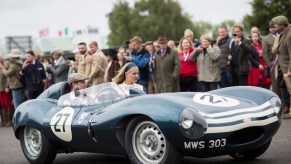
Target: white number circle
(61, 124)
(215, 100)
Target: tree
(264, 11)
(228, 24)
(148, 19)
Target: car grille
(246, 135)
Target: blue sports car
(149, 129)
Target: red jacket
(188, 66)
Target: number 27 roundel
(61, 124)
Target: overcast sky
(27, 17)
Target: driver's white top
(126, 87)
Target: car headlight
(276, 104)
(192, 123)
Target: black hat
(111, 52)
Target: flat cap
(271, 23)
(57, 51)
(282, 20)
(75, 77)
(148, 43)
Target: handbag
(268, 72)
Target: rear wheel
(36, 148)
(146, 144)
(251, 154)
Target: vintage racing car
(148, 128)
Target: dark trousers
(145, 84)
(226, 78)
(34, 94)
(239, 80)
(188, 84)
(208, 86)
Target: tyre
(251, 154)
(36, 147)
(146, 144)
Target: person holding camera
(207, 56)
(240, 48)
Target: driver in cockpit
(77, 96)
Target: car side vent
(245, 135)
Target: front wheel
(251, 154)
(146, 144)
(36, 148)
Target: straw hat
(15, 53)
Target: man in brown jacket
(11, 69)
(99, 65)
(85, 61)
(269, 57)
(167, 68)
(283, 48)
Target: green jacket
(167, 70)
(12, 72)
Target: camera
(234, 35)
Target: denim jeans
(226, 78)
(18, 96)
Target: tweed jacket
(167, 70)
(267, 45)
(98, 68)
(12, 72)
(284, 50)
(85, 64)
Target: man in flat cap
(282, 46)
(77, 96)
(149, 46)
(167, 67)
(59, 68)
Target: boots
(9, 118)
(4, 120)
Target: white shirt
(126, 87)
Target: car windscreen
(97, 94)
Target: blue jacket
(141, 59)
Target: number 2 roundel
(215, 100)
(61, 124)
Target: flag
(43, 32)
(60, 33)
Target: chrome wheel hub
(32, 140)
(149, 143)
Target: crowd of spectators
(161, 66)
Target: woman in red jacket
(257, 76)
(188, 73)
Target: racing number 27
(60, 115)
